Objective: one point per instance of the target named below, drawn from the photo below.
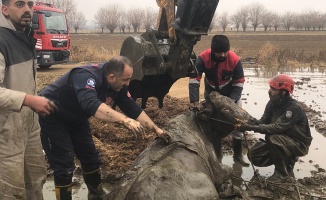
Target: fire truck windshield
(55, 23)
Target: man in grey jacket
(22, 164)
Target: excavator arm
(164, 55)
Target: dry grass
(275, 51)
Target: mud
(118, 149)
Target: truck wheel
(45, 67)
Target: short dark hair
(5, 2)
(116, 65)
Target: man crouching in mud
(286, 130)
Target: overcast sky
(89, 7)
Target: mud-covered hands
(196, 106)
(162, 135)
(136, 128)
(243, 126)
(40, 105)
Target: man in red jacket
(224, 74)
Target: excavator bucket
(162, 56)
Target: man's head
(220, 46)
(280, 86)
(19, 12)
(118, 72)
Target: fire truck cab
(51, 33)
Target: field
(116, 145)
(246, 44)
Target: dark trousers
(62, 141)
(275, 146)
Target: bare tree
(267, 20)
(256, 11)
(112, 16)
(223, 20)
(236, 19)
(297, 23)
(78, 20)
(314, 17)
(135, 17)
(123, 21)
(149, 18)
(244, 17)
(276, 21)
(287, 20)
(99, 19)
(67, 6)
(321, 21)
(306, 18)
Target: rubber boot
(237, 152)
(94, 185)
(63, 192)
(280, 172)
(290, 165)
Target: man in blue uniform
(81, 93)
(286, 130)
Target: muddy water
(312, 93)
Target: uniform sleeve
(238, 80)
(266, 118)
(10, 100)
(282, 124)
(84, 85)
(127, 104)
(194, 83)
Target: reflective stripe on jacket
(225, 77)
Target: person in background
(223, 73)
(286, 129)
(22, 164)
(81, 93)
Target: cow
(185, 167)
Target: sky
(90, 7)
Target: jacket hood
(6, 23)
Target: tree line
(116, 18)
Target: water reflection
(255, 97)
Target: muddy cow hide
(184, 168)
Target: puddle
(255, 97)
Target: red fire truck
(51, 33)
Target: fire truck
(51, 33)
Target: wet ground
(311, 93)
(255, 96)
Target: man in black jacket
(286, 130)
(81, 93)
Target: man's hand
(136, 128)
(196, 106)
(242, 125)
(40, 105)
(162, 134)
